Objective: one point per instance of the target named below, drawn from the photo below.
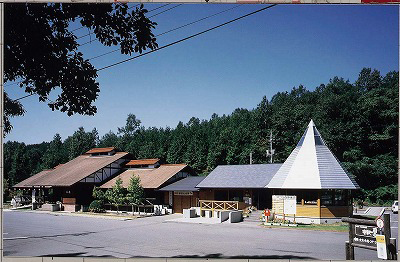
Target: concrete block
(197, 209)
(50, 207)
(208, 213)
(71, 207)
(189, 213)
(223, 216)
(235, 216)
(216, 214)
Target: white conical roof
(311, 165)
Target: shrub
(96, 206)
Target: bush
(96, 206)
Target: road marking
(13, 238)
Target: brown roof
(100, 150)
(139, 162)
(149, 178)
(27, 182)
(72, 171)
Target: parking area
(39, 234)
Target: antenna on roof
(270, 151)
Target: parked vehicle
(395, 207)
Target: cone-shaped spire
(311, 165)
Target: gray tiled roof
(332, 174)
(186, 184)
(240, 176)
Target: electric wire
(187, 38)
(176, 42)
(154, 9)
(96, 40)
(171, 30)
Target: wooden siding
(69, 200)
(183, 202)
(334, 211)
(207, 194)
(308, 211)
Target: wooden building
(152, 179)
(72, 183)
(184, 194)
(311, 173)
(314, 175)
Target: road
(38, 234)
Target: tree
(135, 192)
(42, 53)
(55, 153)
(109, 140)
(132, 124)
(116, 195)
(80, 142)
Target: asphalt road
(35, 234)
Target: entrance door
(181, 202)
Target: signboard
(247, 200)
(380, 223)
(365, 235)
(282, 204)
(289, 206)
(183, 193)
(381, 246)
(170, 199)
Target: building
(184, 194)
(72, 183)
(311, 174)
(152, 178)
(314, 175)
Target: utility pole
(251, 158)
(270, 151)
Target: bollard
(392, 249)
(349, 251)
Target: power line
(11, 84)
(177, 42)
(22, 97)
(96, 40)
(76, 29)
(187, 38)
(154, 9)
(171, 30)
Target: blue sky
(230, 67)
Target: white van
(395, 207)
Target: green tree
(80, 142)
(116, 195)
(56, 62)
(109, 140)
(135, 192)
(55, 154)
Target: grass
(336, 227)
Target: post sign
(183, 193)
(282, 204)
(289, 206)
(380, 223)
(365, 235)
(381, 246)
